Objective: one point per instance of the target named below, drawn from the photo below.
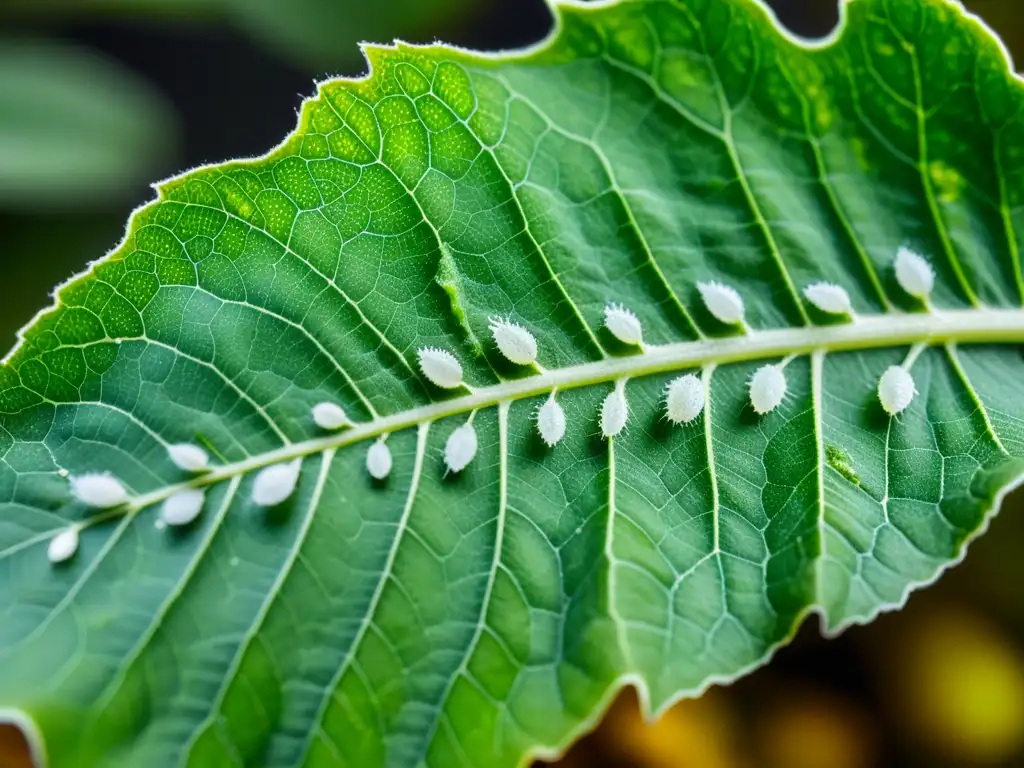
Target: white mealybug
(441, 367)
(767, 388)
(101, 490)
(830, 298)
(378, 460)
(722, 301)
(330, 416)
(276, 483)
(623, 324)
(62, 472)
(614, 411)
(896, 389)
(189, 457)
(460, 448)
(551, 422)
(914, 274)
(684, 399)
(63, 546)
(182, 507)
(515, 342)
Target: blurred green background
(100, 97)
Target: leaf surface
(481, 617)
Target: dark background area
(939, 684)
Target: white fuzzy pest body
(896, 389)
(276, 483)
(460, 448)
(830, 298)
(188, 457)
(914, 274)
(614, 411)
(63, 546)
(684, 399)
(722, 301)
(514, 342)
(551, 422)
(378, 460)
(182, 507)
(623, 324)
(101, 490)
(329, 415)
(440, 367)
(767, 388)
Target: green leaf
(479, 617)
(74, 128)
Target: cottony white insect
(275, 483)
(182, 507)
(515, 342)
(63, 546)
(189, 457)
(914, 274)
(99, 490)
(614, 411)
(684, 399)
(330, 416)
(378, 460)
(830, 298)
(896, 389)
(722, 301)
(767, 388)
(460, 448)
(551, 422)
(440, 367)
(623, 324)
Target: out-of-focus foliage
(317, 33)
(77, 129)
(74, 127)
(322, 32)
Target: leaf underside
(483, 617)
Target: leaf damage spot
(447, 277)
(841, 462)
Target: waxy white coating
(514, 342)
(460, 448)
(830, 298)
(684, 399)
(182, 507)
(623, 324)
(329, 415)
(101, 490)
(276, 483)
(767, 388)
(614, 412)
(378, 460)
(440, 367)
(188, 457)
(551, 422)
(63, 546)
(896, 389)
(722, 301)
(914, 274)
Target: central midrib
(866, 332)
